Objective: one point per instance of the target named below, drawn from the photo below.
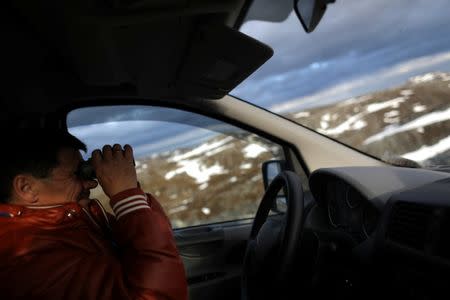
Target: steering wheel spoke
(273, 241)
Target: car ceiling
(55, 52)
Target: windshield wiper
(441, 168)
(402, 162)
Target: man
(56, 243)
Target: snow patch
(423, 78)
(349, 124)
(233, 179)
(394, 103)
(359, 124)
(423, 121)
(326, 117)
(254, 150)
(406, 93)
(323, 124)
(391, 114)
(246, 166)
(195, 169)
(427, 152)
(302, 114)
(419, 108)
(177, 209)
(391, 120)
(202, 149)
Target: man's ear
(25, 189)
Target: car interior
(328, 220)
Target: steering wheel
(273, 242)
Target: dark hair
(32, 151)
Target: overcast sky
(356, 39)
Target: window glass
(200, 169)
(374, 75)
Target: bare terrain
(392, 123)
(221, 179)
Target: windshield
(374, 75)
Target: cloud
(355, 38)
(392, 76)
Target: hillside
(221, 179)
(213, 182)
(412, 120)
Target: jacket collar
(12, 210)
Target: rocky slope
(213, 182)
(411, 121)
(221, 179)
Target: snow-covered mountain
(410, 121)
(221, 179)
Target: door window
(200, 169)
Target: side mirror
(270, 170)
(310, 12)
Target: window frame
(294, 161)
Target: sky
(148, 129)
(360, 46)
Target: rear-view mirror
(310, 12)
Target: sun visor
(218, 59)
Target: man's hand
(115, 169)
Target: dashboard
(398, 221)
(353, 199)
(348, 210)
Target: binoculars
(86, 171)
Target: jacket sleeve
(151, 265)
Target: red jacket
(70, 252)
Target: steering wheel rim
(289, 236)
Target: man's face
(63, 185)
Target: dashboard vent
(409, 224)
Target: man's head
(40, 168)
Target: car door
(205, 172)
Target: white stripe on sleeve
(126, 200)
(130, 203)
(131, 210)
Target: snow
(254, 150)
(349, 124)
(202, 149)
(406, 93)
(218, 150)
(425, 120)
(197, 170)
(356, 121)
(323, 124)
(419, 108)
(427, 152)
(423, 78)
(394, 103)
(359, 125)
(391, 120)
(177, 209)
(246, 166)
(391, 114)
(302, 114)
